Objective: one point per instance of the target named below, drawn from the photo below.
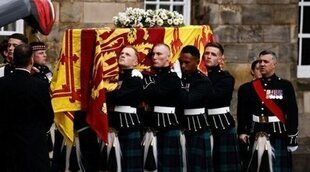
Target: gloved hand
(292, 144)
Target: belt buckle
(263, 119)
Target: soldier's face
(12, 43)
(40, 57)
(267, 65)
(212, 56)
(160, 56)
(127, 58)
(188, 63)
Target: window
(15, 27)
(303, 68)
(181, 6)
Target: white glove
(292, 148)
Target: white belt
(195, 111)
(217, 111)
(125, 109)
(265, 119)
(163, 109)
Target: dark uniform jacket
(43, 73)
(7, 68)
(281, 92)
(223, 86)
(162, 89)
(196, 93)
(129, 94)
(26, 116)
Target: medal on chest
(274, 94)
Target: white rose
(169, 21)
(175, 22)
(160, 22)
(163, 16)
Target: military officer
(13, 40)
(226, 149)
(196, 92)
(242, 93)
(270, 113)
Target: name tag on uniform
(274, 94)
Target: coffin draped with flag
(87, 68)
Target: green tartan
(131, 159)
(169, 151)
(226, 152)
(199, 154)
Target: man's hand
(292, 143)
(244, 138)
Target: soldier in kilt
(270, 118)
(124, 121)
(244, 141)
(226, 148)
(162, 142)
(42, 72)
(195, 94)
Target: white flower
(160, 22)
(135, 17)
(175, 22)
(169, 21)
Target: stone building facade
(244, 27)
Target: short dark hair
(253, 64)
(216, 45)
(19, 36)
(266, 52)
(191, 50)
(22, 55)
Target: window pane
(305, 54)
(306, 20)
(178, 0)
(150, 7)
(178, 8)
(167, 7)
(150, 0)
(10, 27)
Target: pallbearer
(124, 149)
(196, 92)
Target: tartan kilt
(282, 161)
(199, 152)
(226, 151)
(132, 157)
(169, 151)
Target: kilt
(199, 153)
(283, 158)
(169, 151)
(226, 151)
(282, 161)
(132, 157)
